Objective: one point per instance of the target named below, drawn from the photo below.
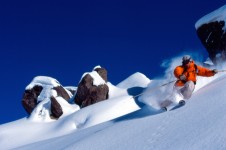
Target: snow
(209, 62)
(97, 79)
(217, 15)
(73, 88)
(132, 82)
(98, 66)
(43, 80)
(42, 112)
(123, 122)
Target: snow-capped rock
(211, 31)
(42, 96)
(92, 88)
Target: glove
(182, 77)
(215, 71)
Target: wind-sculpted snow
(119, 104)
(124, 122)
(200, 124)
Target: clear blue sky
(64, 39)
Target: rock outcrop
(213, 38)
(62, 92)
(46, 96)
(211, 31)
(56, 109)
(102, 72)
(48, 89)
(30, 98)
(92, 88)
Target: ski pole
(221, 70)
(155, 88)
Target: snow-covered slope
(126, 123)
(217, 15)
(135, 80)
(120, 103)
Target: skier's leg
(188, 89)
(172, 99)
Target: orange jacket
(191, 71)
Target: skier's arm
(204, 72)
(178, 71)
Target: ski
(180, 104)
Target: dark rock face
(88, 94)
(62, 92)
(56, 109)
(103, 73)
(213, 37)
(29, 100)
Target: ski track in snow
(158, 133)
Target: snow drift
(124, 122)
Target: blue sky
(64, 39)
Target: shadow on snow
(143, 112)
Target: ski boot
(181, 102)
(164, 108)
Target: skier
(186, 75)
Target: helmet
(186, 59)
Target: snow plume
(156, 93)
(198, 58)
(171, 64)
(163, 88)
